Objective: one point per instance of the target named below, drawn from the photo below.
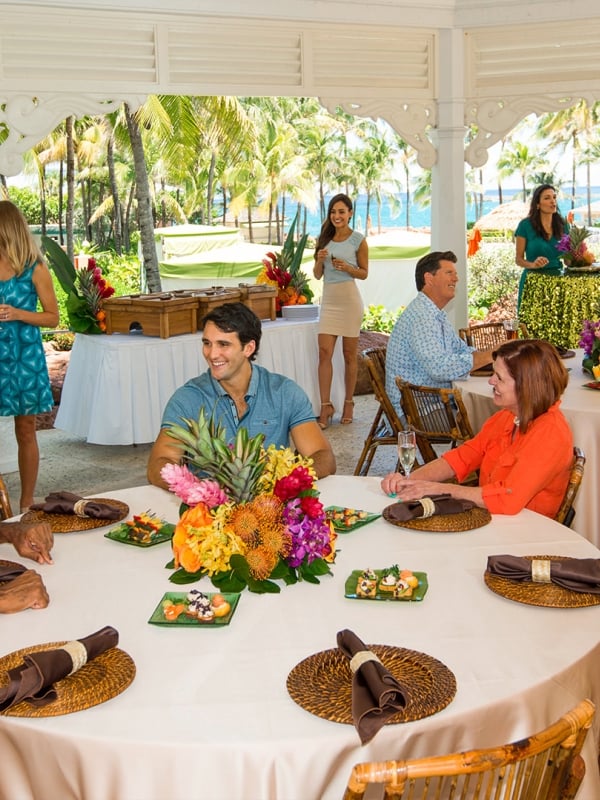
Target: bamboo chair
(547, 765)
(438, 416)
(5, 509)
(488, 335)
(386, 423)
(566, 512)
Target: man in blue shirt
(423, 348)
(239, 393)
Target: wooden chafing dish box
(208, 299)
(161, 314)
(260, 297)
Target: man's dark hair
(431, 263)
(236, 318)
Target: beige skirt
(341, 309)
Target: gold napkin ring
(79, 508)
(360, 658)
(540, 570)
(78, 654)
(428, 507)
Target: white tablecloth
(208, 715)
(116, 387)
(581, 407)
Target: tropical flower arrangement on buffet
(573, 249)
(283, 271)
(84, 286)
(590, 341)
(252, 518)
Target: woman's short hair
(539, 374)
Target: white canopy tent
(431, 68)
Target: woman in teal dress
(24, 384)
(537, 236)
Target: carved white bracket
(411, 120)
(29, 119)
(496, 118)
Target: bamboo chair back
(438, 416)
(543, 766)
(566, 512)
(5, 509)
(386, 423)
(488, 335)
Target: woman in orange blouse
(524, 452)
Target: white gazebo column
(448, 216)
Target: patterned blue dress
(24, 382)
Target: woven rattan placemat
(70, 523)
(99, 680)
(322, 683)
(444, 523)
(540, 594)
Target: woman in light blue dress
(341, 258)
(24, 384)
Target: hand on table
(396, 485)
(31, 540)
(25, 591)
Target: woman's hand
(322, 255)
(396, 485)
(539, 262)
(7, 313)
(342, 266)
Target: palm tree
(522, 159)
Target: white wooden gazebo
(431, 68)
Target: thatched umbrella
(504, 217)
(581, 212)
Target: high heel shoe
(348, 418)
(325, 416)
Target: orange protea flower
(267, 509)
(261, 562)
(277, 539)
(245, 524)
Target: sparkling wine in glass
(407, 450)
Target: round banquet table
(208, 714)
(581, 407)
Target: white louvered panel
(379, 60)
(546, 59)
(81, 49)
(234, 55)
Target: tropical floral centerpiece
(573, 249)
(84, 286)
(590, 341)
(254, 516)
(283, 270)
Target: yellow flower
(279, 464)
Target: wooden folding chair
(438, 416)
(386, 423)
(545, 766)
(488, 335)
(566, 512)
(5, 509)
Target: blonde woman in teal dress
(24, 384)
(537, 236)
(341, 258)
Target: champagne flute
(407, 450)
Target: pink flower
(190, 489)
(311, 506)
(297, 481)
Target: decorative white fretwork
(28, 119)
(411, 120)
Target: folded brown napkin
(67, 503)
(9, 570)
(428, 507)
(34, 679)
(576, 574)
(376, 694)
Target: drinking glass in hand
(407, 450)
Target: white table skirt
(208, 715)
(581, 407)
(116, 387)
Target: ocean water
(420, 217)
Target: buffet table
(554, 307)
(116, 387)
(208, 714)
(581, 407)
